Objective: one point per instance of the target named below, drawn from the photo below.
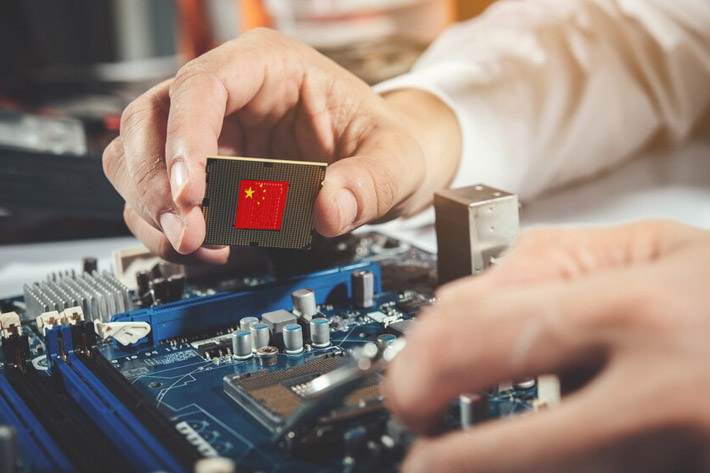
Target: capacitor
(143, 282)
(473, 409)
(320, 332)
(527, 383)
(385, 339)
(293, 339)
(260, 334)
(176, 287)
(267, 356)
(8, 449)
(89, 264)
(245, 322)
(304, 302)
(363, 289)
(160, 288)
(242, 344)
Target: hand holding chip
(266, 95)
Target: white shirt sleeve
(551, 91)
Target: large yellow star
(249, 192)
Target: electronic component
(10, 324)
(401, 327)
(363, 289)
(176, 287)
(215, 347)
(473, 409)
(260, 202)
(385, 339)
(474, 225)
(267, 355)
(260, 334)
(293, 339)
(245, 322)
(320, 332)
(273, 396)
(125, 333)
(277, 320)
(304, 303)
(89, 264)
(53, 318)
(100, 295)
(242, 344)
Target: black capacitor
(176, 287)
(160, 289)
(363, 289)
(8, 449)
(143, 282)
(89, 264)
(156, 272)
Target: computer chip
(261, 202)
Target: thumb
(372, 185)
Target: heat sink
(100, 295)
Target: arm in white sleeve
(551, 91)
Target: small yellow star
(249, 192)
(261, 185)
(258, 203)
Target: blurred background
(69, 67)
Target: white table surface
(673, 185)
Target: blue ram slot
(144, 451)
(201, 314)
(38, 451)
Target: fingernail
(173, 227)
(179, 178)
(347, 208)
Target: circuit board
(187, 391)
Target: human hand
(267, 95)
(632, 303)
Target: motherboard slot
(186, 317)
(148, 453)
(153, 420)
(37, 450)
(87, 448)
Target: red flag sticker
(261, 204)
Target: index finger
(468, 343)
(204, 91)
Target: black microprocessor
(261, 202)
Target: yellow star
(261, 185)
(249, 192)
(258, 203)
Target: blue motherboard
(71, 401)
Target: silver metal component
(293, 339)
(260, 334)
(304, 303)
(277, 320)
(8, 449)
(267, 356)
(245, 322)
(100, 295)
(474, 225)
(473, 408)
(242, 344)
(526, 383)
(384, 340)
(363, 289)
(320, 332)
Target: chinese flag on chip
(261, 204)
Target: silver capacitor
(363, 289)
(242, 344)
(293, 339)
(385, 339)
(304, 302)
(320, 332)
(259, 334)
(525, 383)
(473, 409)
(246, 322)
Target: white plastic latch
(124, 333)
